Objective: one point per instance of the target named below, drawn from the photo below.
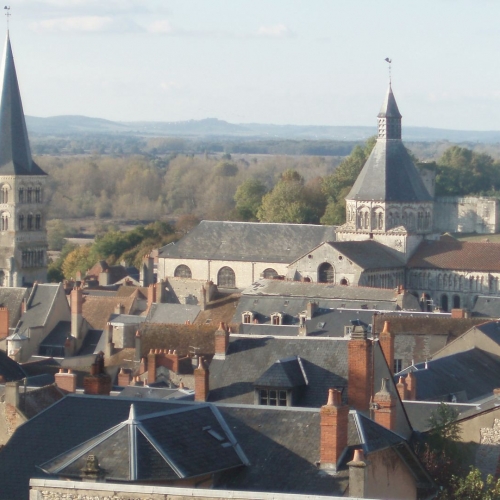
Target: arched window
(226, 277)
(4, 194)
(29, 193)
(269, 273)
(326, 273)
(444, 302)
(344, 282)
(38, 195)
(21, 222)
(30, 222)
(182, 271)
(456, 301)
(396, 218)
(440, 282)
(5, 222)
(367, 220)
(38, 221)
(390, 220)
(380, 220)
(411, 220)
(21, 195)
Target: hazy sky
(318, 62)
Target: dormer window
(276, 318)
(247, 317)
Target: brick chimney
(386, 339)
(334, 422)
(151, 367)
(4, 322)
(66, 381)
(402, 390)
(98, 382)
(359, 383)
(151, 295)
(124, 377)
(138, 346)
(384, 407)
(311, 309)
(76, 312)
(411, 386)
(221, 341)
(358, 475)
(201, 387)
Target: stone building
(23, 237)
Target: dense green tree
(80, 259)
(472, 487)
(248, 199)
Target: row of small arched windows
(409, 219)
(449, 281)
(30, 195)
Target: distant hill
(212, 127)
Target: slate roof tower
(389, 201)
(23, 237)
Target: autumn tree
(248, 199)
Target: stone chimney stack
(311, 309)
(76, 313)
(151, 366)
(201, 387)
(66, 381)
(402, 390)
(386, 340)
(384, 407)
(411, 386)
(334, 422)
(12, 393)
(358, 475)
(160, 287)
(359, 384)
(138, 346)
(221, 341)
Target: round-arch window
(226, 278)
(182, 271)
(269, 273)
(326, 273)
(343, 281)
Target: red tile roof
(459, 255)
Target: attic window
(321, 324)
(272, 397)
(208, 321)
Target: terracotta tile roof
(97, 310)
(459, 255)
(127, 291)
(179, 337)
(453, 327)
(220, 310)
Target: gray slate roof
(389, 107)
(248, 241)
(53, 344)
(10, 370)
(173, 313)
(324, 363)
(368, 254)
(284, 374)
(15, 153)
(487, 306)
(468, 375)
(389, 175)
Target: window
(276, 319)
(272, 397)
(4, 195)
(380, 221)
(326, 273)
(182, 271)
(21, 222)
(247, 318)
(398, 365)
(38, 221)
(30, 222)
(226, 277)
(269, 273)
(5, 222)
(29, 195)
(38, 195)
(21, 195)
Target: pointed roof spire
(389, 108)
(15, 153)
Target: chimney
(160, 286)
(151, 367)
(221, 341)
(4, 322)
(334, 422)
(458, 313)
(303, 324)
(119, 308)
(138, 346)
(124, 377)
(386, 339)
(311, 309)
(384, 407)
(402, 390)
(203, 298)
(411, 387)
(359, 383)
(98, 382)
(358, 475)
(201, 375)
(12, 393)
(23, 306)
(76, 312)
(151, 295)
(66, 381)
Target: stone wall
(466, 215)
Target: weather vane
(390, 62)
(7, 14)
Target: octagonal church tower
(389, 202)
(23, 237)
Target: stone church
(391, 238)
(23, 208)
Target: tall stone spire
(389, 118)
(15, 153)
